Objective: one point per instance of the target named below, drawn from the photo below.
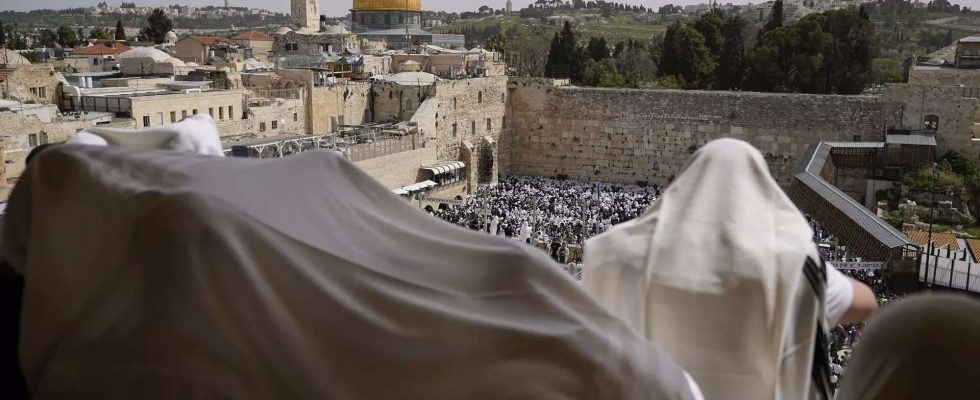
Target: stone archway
(488, 160)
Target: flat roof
(912, 139)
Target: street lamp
(932, 213)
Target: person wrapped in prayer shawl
(723, 274)
(923, 347)
(155, 274)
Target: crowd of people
(555, 215)
(844, 336)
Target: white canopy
(444, 167)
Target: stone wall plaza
(631, 136)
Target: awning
(444, 167)
(399, 191)
(419, 186)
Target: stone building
(259, 43)
(306, 14)
(37, 83)
(207, 49)
(97, 58)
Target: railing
(382, 147)
(950, 269)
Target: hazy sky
(340, 7)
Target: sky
(340, 7)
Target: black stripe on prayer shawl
(816, 275)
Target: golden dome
(379, 5)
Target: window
(454, 130)
(292, 46)
(183, 114)
(221, 113)
(261, 126)
(211, 111)
(44, 137)
(857, 138)
(231, 112)
(473, 127)
(146, 121)
(275, 124)
(454, 103)
(479, 97)
(931, 122)
(489, 125)
(503, 123)
(40, 92)
(295, 117)
(194, 111)
(160, 118)
(95, 61)
(32, 140)
(173, 117)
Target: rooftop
(101, 49)
(210, 40)
(253, 36)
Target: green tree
(709, 26)
(829, 53)
(80, 34)
(498, 43)
(46, 38)
(159, 25)
(847, 64)
(731, 64)
(3, 35)
(565, 60)
(886, 70)
(775, 17)
(33, 57)
(685, 54)
(635, 64)
(962, 164)
(67, 37)
(120, 33)
(100, 33)
(597, 49)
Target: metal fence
(382, 147)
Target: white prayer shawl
(494, 224)
(713, 274)
(195, 134)
(525, 231)
(161, 275)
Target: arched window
(931, 122)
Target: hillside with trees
(844, 51)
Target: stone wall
(956, 108)
(23, 84)
(154, 111)
(944, 76)
(16, 131)
(332, 106)
(399, 169)
(289, 116)
(633, 136)
(468, 105)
